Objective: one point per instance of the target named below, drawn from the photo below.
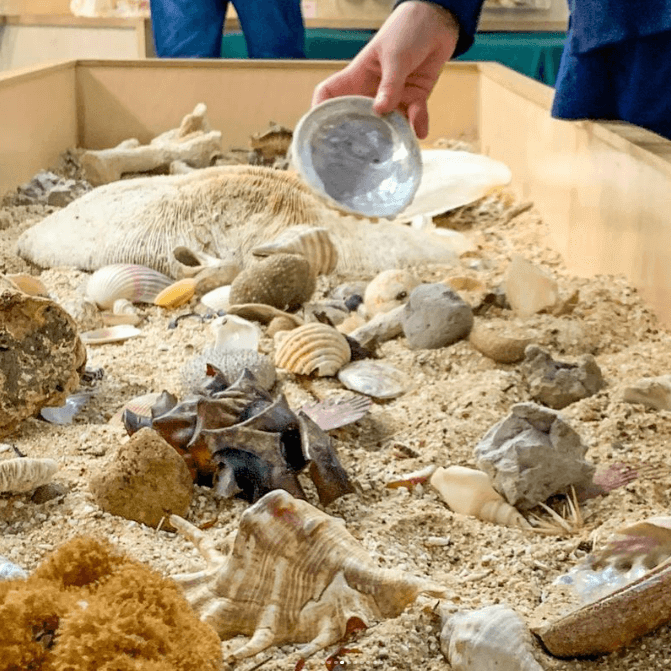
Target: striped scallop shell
(24, 474)
(312, 348)
(139, 405)
(314, 243)
(138, 284)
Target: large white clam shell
(136, 283)
(356, 160)
(312, 349)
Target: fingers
(418, 116)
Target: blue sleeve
(467, 14)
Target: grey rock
(48, 492)
(533, 454)
(556, 383)
(435, 316)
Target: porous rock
(284, 281)
(147, 481)
(557, 383)
(41, 356)
(435, 316)
(533, 454)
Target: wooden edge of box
(74, 21)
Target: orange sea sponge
(87, 608)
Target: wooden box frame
(604, 189)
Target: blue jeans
(194, 28)
(628, 81)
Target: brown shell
(312, 348)
(260, 312)
(294, 575)
(284, 281)
(29, 284)
(500, 340)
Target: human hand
(400, 66)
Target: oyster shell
(356, 160)
(312, 348)
(137, 283)
(374, 378)
(294, 575)
(314, 243)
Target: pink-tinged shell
(139, 405)
(136, 283)
(177, 294)
(112, 334)
(312, 348)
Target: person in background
(194, 28)
(616, 62)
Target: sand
(458, 395)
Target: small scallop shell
(388, 290)
(29, 284)
(312, 348)
(232, 332)
(314, 243)
(139, 405)
(138, 284)
(374, 378)
(492, 638)
(500, 340)
(177, 294)
(217, 299)
(25, 474)
(117, 333)
(469, 492)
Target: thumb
(390, 89)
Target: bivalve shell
(29, 284)
(103, 336)
(314, 243)
(500, 340)
(139, 284)
(312, 348)
(374, 378)
(177, 294)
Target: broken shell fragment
(374, 378)
(470, 492)
(233, 332)
(312, 348)
(332, 414)
(308, 575)
(499, 339)
(137, 283)
(139, 405)
(24, 474)
(495, 638)
(117, 333)
(177, 294)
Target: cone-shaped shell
(470, 492)
(314, 243)
(137, 283)
(25, 474)
(312, 348)
(294, 575)
(177, 294)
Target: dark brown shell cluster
(244, 442)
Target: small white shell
(312, 348)
(108, 335)
(24, 474)
(10, 571)
(374, 378)
(232, 332)
(388, 290)
(469, 492)
(314, 243)
(139, 284)
(217, 299)
(495, 638)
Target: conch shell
(294, 575)
(470, 492)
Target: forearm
(464, 13)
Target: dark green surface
(536, 55)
